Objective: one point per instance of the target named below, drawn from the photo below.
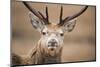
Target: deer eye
(61, 34)
(44, 33)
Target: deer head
(52, 34)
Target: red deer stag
(49, 47)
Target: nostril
(52, 44)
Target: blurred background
(79, 45)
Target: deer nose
(52, 43)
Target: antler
(62, 21)
(38, 14)
(46, 18)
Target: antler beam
(62, 21)
(38, 14)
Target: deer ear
(69, 26)
(36, 22)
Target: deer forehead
(52, 28)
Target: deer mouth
(52, 49)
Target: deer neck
(40, 57)
(47, 58)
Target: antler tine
(47, 14)
(61, 14)
(73, 16)
(47, 17)
(37, 13)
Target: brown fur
(36, 56)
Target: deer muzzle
(52, 43)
